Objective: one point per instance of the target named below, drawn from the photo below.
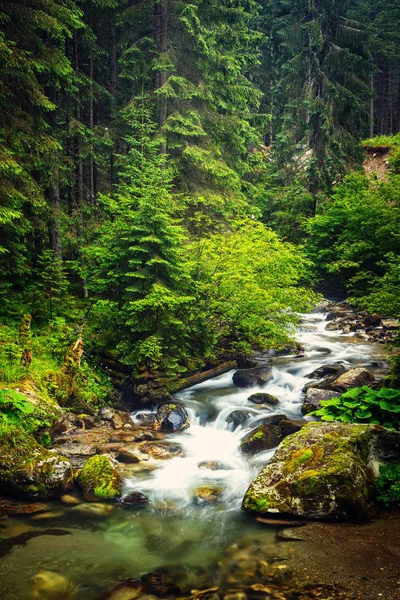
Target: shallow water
(196, 543)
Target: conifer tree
(137, 263)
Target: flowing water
(191, 539)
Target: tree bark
(203, 376)
(161, 18)
(53, 194)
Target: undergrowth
(44, 377)
(388, 485)
(363, 405)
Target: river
(199, 544)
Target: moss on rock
(29, 470)
(324, 471)
(99, 480)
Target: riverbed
(199, 543)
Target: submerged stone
(325, 471)
(48, 585)
(128, 589)
(207, 494)
(13, 507)
(161, 450)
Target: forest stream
(198, 543)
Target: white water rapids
(210, 436)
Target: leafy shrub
(388, 485)
(16, 410)
(363, 405)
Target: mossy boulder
(29, 470)
(99, 480)
(324, 471)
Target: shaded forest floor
(359, 560)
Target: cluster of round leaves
(363, 405)
(16, 410)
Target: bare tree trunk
(78, 141)
(161, 16)
(371, 108)
(91, 127)
(53, 194)
(113, 59)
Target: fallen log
(183, 384)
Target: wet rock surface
(313, 397)
(134, 500)
(262, 398)
(269, 434)
(251, 377)
(171, 418)
(29, 470)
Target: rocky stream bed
(156, 508)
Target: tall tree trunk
(91, 127)
(161, 18)
(53, 194)
(371, 108)
(78, 141)
(113, 58)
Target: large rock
(356, 377)
(29, 470)
(269, 434)
(171, 418)
(312, 400)
(332, 369)
(325, 471)
(251, 377)
(99, 480)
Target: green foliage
(136, 260)
(17, 411)
(51, 279)
(388, 485)
(356, 231)
(363, 405)
(247, 286)
(44, 376)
